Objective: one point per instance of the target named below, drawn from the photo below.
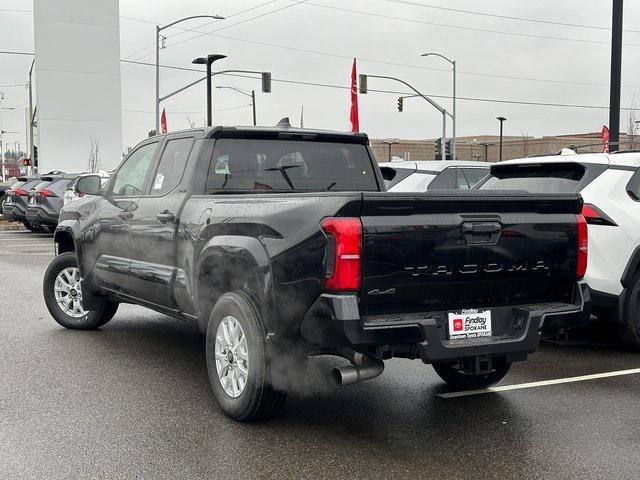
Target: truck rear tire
(240, 371)
(629, 331)
(459, 380)
(63, 296)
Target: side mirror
(89, 185)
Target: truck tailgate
(446, 251)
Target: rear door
(107, 252)
(454, 250)
(154, 224)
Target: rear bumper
(9, 212)
(39, 216)
(334, 321)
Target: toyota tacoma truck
(281, 243)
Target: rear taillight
(47, 193)
(594, 216)
(343, 259)
(583, 243)
(20, 192)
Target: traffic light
(26, 162)
(438, 144)
(447, 150)
(266, 82)
(35, 156)
(363, 83)
(400, 103)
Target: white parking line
(30, 245)
(26, 239)
(557, 381)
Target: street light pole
(158, 30)
(455, 117)
(501, 120)
(251, 94)
(253, 105)
(208, 60)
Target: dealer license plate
(469, 323)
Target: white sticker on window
(159, 181)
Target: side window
(461, 180)
(474, 175)
(633, 186)
(129, 179)
(446, 180)
(172, 165)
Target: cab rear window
(539, 178)
(286, 165)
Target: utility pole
(501, 120)
(33, 163)
(616, 76)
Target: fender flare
(631, 268)
(240, 248)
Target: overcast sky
(314, 42)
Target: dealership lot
(133, 400)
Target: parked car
(46, 200)
(281, 243)
(422, 176)
(610, 187)
(14, 207)
(71, 193)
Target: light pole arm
(215, 17)
(248, 94)
(419, 94)
(414, 96)
(195, 82)
(452, 62)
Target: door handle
(125, 215)
(165, 217)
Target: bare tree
(94, 162)
(633, 124)
(525, 143)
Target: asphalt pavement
(132, 400)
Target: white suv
(432, 175)
(610, 187)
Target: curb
(8, 227)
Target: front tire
(62, 290)
(463, 380)
(240, 372)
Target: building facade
(487, 147)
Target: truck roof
(279, 131)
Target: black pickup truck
(281, 243)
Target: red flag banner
(163, 121)
(354, 117)
(604, 135)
